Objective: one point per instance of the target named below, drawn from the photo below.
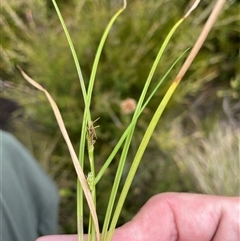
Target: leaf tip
(124, 4)
(195, 4)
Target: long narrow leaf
(72, 50)
(77, 166)
(124, 135)
(161, 107)
(130, 134)
(86, 115)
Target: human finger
(184, 217)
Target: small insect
(91, 132)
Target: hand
(179, 217)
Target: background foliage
(32, 37)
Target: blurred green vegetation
(32, 37)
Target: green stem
(130, 134)
(79, 188)
(83, 133)
(138, 157)
(79, 211)
(98, 54)
(124, 135)
(212, 18)
(89, 95)
(92, 186)
(72, 50)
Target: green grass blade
(84, 128)
(99, 51)
(161, 108)
(87, 116)
(79, 188)
(138, 156)
(124, 135)
(130, 134)
(72, 50)
(80, 211)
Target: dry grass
(213, 161)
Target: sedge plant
(87, 182)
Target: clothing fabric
(28, 196)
